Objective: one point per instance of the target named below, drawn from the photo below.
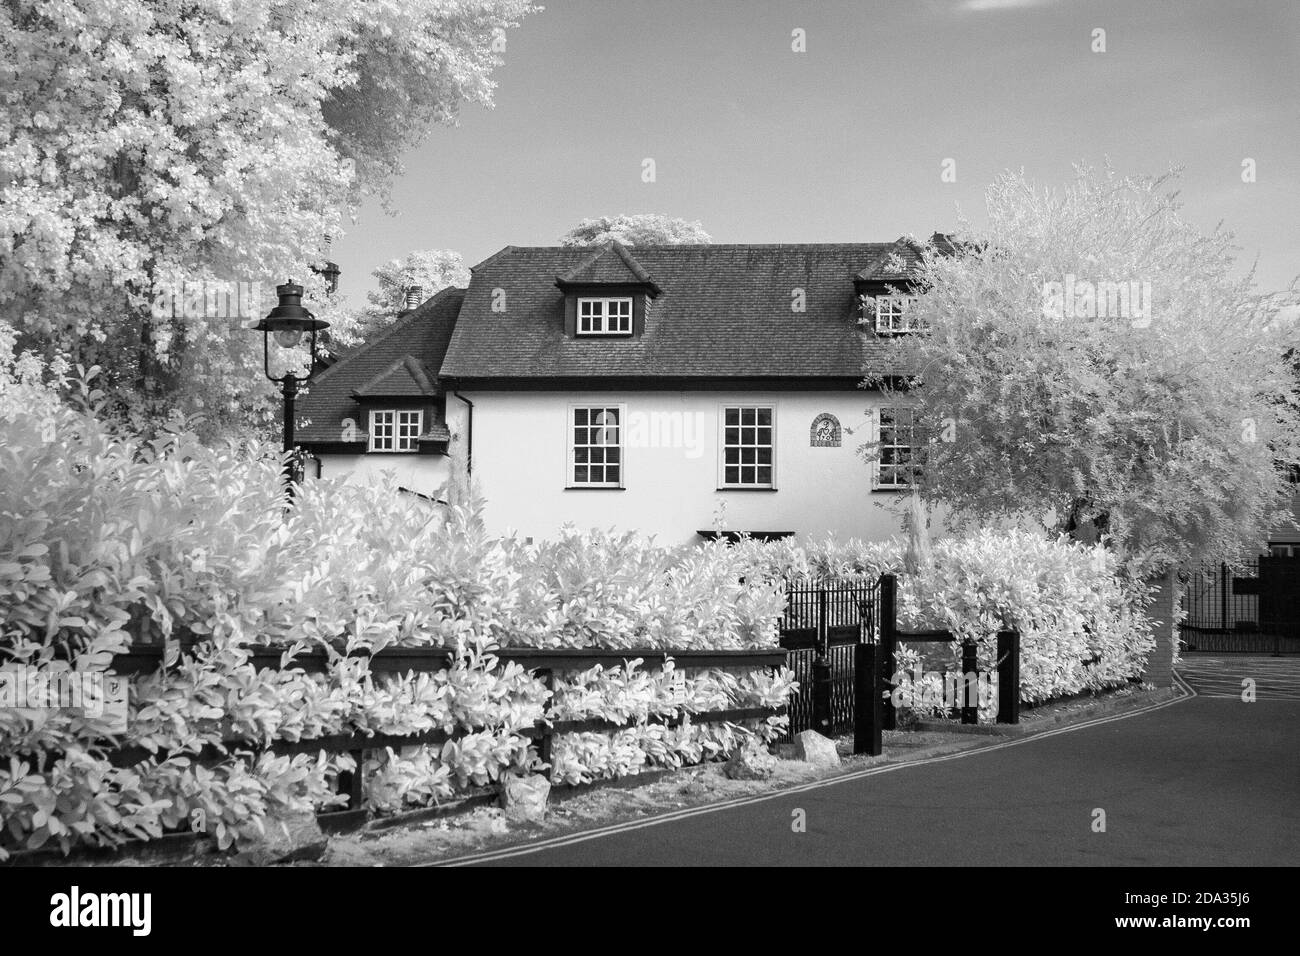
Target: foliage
(429, 270)
(647, 229)
(148, 144)
(1170, 426)
(1078, 609)
(106, 539)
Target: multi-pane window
(747, 446)
(605, 316)
(395, 429)
(899, 449)
(891, 313)
(596, 449)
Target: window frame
(741, 406)
(571, 446)
(401, 438)
(604, 331)
(892, 298)
(914, 447)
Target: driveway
(1201, 780)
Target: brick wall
(1159, 669)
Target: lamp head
(289, 320)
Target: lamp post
(286, 324)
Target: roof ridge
(401, 322)
(662, 246)
(413, 366)
(496, 255)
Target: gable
(400, 362)
(611, 264)
(407, 377)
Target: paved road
(1203, 781)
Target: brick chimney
(414, 296)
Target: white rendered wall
(520, 463)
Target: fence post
(970, 712)
(867, 716)
(822, 626)
(822, 720)
(1223, 595)
(888, 644)
(1008, 677)
(545, 743)
(352, 785)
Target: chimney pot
(414, 296)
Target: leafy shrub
(1078, 610)
(106, 539)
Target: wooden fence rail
(544, 662)
(873, 674)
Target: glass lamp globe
(288, 338)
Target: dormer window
(395, 429)
(892, 314)
(605, 316)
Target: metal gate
(1253, 609)
(827, 617)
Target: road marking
(627, 826)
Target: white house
(672, 390)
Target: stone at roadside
(524, 798)
(750, 762)
(811, 747)
(288, 837)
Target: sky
(847, 140)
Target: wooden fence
(873, 668)
(543, 662)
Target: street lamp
(286, 324)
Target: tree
(185, 145)
(427, 272)
(645, 229)
(1088, 357)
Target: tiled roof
(884, 269)
(612, 262)
(421, 334)
(724, 311)
(437, 431)
(405, 377)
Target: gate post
(545, 743)
(823, 627)
(970, 713)
(888, 644)
(822, 721)
(1008, 677)
(867, 716)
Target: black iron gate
(1252, 609)
(827, 617)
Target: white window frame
(913, 447)
(723, 465)
(395, 430)
(601, 321)
(891, 314)
(571, 444)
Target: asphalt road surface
(1208, 780)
